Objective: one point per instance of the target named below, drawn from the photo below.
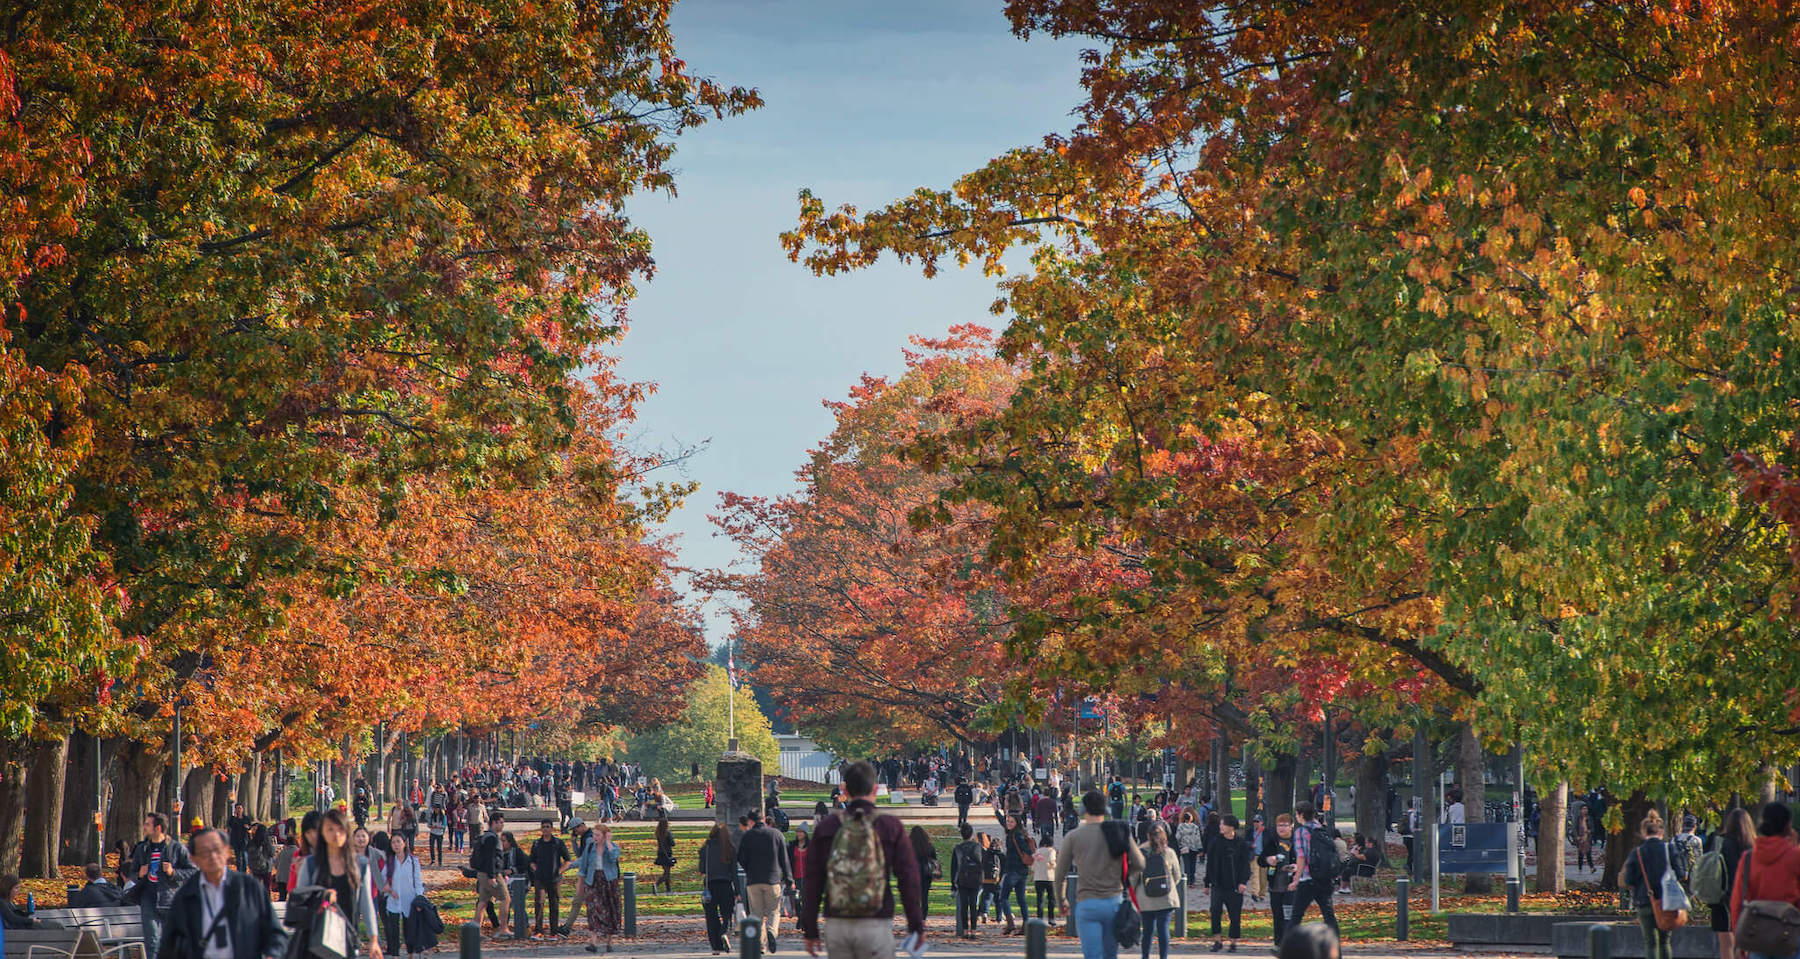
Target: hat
(1689, 821)
(577, 823)
(196, 822)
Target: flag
(730, 666)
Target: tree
(1488, 261)
(700, 733)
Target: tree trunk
(1471, 769)
(1221, 767)
(1371, 796)
(1279, 796)
(224, 794)
(1553, 809)
(77, 842)
(15, 762)
(137, 774)
(1253, 791)
(196, 796)
(1620, 844)
(43, 808)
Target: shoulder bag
(1668, 904)
(1127, 924)
(1767, 926)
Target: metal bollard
(1512, 895)
(1600, 941)
(1179, 928)
(1069, 905)
(629, 897)
(1037, 939)
(750, 944)
(1402, 890)
(469, 943)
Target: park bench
(118, 929)
(534, 816)
(71, 943)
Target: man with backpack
(965, 880)
(762, 854)
(1315, 867)
(848, 865)
(490, 885)
(1115, 795)
(1685, 849)
(1105, 860)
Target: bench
(48, 943)
(550, 815)
(118, 929)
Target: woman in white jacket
(405, 883)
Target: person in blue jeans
(1104, 858)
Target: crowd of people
(845, 875)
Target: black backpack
(966, 866)
(1322, 856)
(780, 818)
(1156, 875)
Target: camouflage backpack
(856, 870)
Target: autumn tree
(1511, 270)
(698, 729)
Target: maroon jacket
(903, 866)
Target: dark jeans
(1229, 901)
(1307, 893)
(965, 910)
(437, 849)
(152, 925)
(962, 813)
(1156, 925)
(990, 895)
(552, 888)
(390, 932)
(1046, 893)
(719, 911)
(1408, 840)
(1656, 941)
(1189, 860)
(924, 893)
(1011, 884)
(1278, 911)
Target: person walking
(762, 854)
(1770, 871)
(1101, 853)
(224, 914)
(260, 856)
(1277, 856)
(1734, 840)
(991, 861)
(486, 861)
(1584, 840)
(1228, 878)
(599, 871)
(1315, 867)
(436, 824)
(929, 869)
(1189, 843)
(163, 864)
(581, 837)
(964, 796)
(854, 854)
(1017, 849)
(549, 856)
(1043, 866)
(335, 866)
(965, 880)
(1643, 876)
(718, 867)
(665, 854)
(405, 883)
(1155, 888)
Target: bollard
(1599, 941)
(1179, 928)
(629, 897)
(750, 944)
(1069, 905)
(1402, 889)
(1512, 895)
(1037, 939)
(469, 945)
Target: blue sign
(1472, 847)
(1090, 708)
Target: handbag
(1127, 924)
(329, 937)
(1767, 926)
(1669, 911)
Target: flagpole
(731, 743)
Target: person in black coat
(1227, 876)
(98, 892)
(220, 902)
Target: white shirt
(1453, 813)
(212, 902)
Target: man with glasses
(223, 914)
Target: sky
(866, 100)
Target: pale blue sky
(865, 101)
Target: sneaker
(1232, 947)
(1217, 946)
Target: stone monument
(737, 789)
